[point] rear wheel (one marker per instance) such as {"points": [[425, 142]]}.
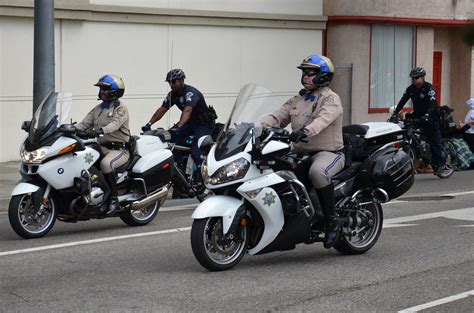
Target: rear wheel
{"points": [[29, 219], [212, 249], [360, 239], [142, 216]]}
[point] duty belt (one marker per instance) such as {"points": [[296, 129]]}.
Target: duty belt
{"points": [[114, 145]]}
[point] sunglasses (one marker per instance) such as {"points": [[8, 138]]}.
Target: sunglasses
{"points": [[173, 81], [310, 73], [415, 78]]}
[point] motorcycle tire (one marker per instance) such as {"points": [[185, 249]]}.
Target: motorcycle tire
{"points": [[24, 218], [214, 252], [451, 160], [141, 217], [363, 241]]}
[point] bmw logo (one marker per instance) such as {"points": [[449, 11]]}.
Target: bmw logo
{"points": [[60, 170]]}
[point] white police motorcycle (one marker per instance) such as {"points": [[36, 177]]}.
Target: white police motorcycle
{"points": [[260, 205], [61, 177]]}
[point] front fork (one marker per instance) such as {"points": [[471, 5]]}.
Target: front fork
{"points": [[44, 201]]}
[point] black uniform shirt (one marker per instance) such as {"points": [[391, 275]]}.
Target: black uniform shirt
{"points": [[189, 96], [424, 100]]}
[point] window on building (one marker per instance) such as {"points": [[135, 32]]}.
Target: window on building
{"points": [[392, 54]]}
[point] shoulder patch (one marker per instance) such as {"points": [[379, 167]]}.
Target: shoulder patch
{"points": [[329, 100], [121, 111], [189, 96]]}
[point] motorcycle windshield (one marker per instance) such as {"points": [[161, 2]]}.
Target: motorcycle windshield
{"points": [[253, 102], [47, 119]]}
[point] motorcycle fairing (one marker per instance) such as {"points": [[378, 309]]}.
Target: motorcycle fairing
{"points": [[218, 206], [60, 172], [23, 188], [214, 165], [268, 204]]}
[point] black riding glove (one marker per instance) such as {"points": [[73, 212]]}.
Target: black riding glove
{"points": [[174, 131], [298, 136], [146, 127], [90, 133]]}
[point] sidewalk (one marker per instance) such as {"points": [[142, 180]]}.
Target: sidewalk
{"points": [[9, 177]]}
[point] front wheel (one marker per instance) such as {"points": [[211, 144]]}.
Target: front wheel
{"points": [[142, 216], [360, 239], [212, 249], [29, 219]]}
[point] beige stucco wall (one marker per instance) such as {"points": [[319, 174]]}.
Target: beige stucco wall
{"points": [[354, 38], [219, 51], [432, 9], [461, 69], [424, 50]]}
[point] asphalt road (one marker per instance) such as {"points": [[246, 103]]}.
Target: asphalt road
{"points": [[87, 267]]}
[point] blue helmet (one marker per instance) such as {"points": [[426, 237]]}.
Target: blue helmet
{"points": [[322, 65], [112, 83]]}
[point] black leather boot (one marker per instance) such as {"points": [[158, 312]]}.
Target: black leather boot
{"points": [[113, 199], [333, 224]]}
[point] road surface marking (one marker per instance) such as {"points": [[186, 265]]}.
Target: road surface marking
{"points": [[461, 214], [454, 194], [86, 242], [438, 302]]}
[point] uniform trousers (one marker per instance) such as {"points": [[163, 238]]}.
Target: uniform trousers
{"points": [[113, 159]]}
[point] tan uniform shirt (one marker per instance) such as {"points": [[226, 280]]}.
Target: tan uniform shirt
{"points": [[322, 118], [113, 121]]}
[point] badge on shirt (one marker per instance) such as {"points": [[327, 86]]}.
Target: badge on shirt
{"points": [[110, 114], [121, 111], [189, 95]]}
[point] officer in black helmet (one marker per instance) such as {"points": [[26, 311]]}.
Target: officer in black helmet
{"points": [[197, 118], [425, 104]]}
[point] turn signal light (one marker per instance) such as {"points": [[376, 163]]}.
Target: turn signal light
{"points": [[68, 149]]}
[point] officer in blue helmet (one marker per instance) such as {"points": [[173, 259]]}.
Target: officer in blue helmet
{"points": [[315, 116], [109, 122], [197, 118]]}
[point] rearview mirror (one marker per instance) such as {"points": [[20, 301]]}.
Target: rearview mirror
{"points": [[26, 125], [205, 142]]}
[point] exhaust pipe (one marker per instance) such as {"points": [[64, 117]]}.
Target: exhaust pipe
{"points": [[383, 198], [158, 196]]}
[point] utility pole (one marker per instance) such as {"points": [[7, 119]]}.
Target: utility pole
{"points": [[43, 60]]}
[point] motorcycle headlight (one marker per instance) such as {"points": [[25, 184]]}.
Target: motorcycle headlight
{"points": [[227, 173], [35, 157]]}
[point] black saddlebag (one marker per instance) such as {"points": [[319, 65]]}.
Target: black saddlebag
{"points": [[389, 169]]}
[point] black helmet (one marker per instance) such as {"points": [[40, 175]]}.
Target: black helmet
{"points": [[114, 84], [175, 74], [417, 72]]}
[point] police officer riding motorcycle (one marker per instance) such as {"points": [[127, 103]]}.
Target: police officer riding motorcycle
{"points": [[109, 122]]}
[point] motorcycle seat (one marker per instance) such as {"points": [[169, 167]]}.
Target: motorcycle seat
{"points": [[347, 173], [355, 129]]}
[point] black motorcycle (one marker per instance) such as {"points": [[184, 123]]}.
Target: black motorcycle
{"points": [[186, 179], [418, 148]]}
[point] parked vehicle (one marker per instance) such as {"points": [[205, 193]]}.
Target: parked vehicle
{"points": [[418, 148], [61, 177], [260, 203]]}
